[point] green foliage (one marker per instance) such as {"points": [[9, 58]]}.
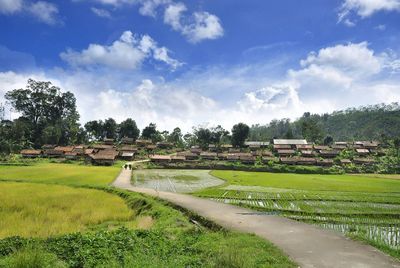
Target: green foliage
{"points": [[130, 248], [240, 132], [51, 114], [32, 258], [378, 122], [128, 128]]}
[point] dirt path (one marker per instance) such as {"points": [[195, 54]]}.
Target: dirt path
{"points": [[307, 245]]}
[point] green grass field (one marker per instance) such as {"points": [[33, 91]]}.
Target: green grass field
{"points": [[69, 174], [37, 210], [311, 182]]}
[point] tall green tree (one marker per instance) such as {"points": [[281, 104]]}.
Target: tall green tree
{"points": [[45, 106], [128, 128], [240, 132], [95, 129], [150, 132], [110, 128]]}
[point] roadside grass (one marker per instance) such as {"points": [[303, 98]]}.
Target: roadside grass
{"points": [[310, 182], [155, 248], [69, 174], [38, 210]]}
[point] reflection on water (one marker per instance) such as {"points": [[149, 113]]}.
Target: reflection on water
{"points": [[181, 181]]}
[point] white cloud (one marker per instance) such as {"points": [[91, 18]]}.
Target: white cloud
{"points": [[103, 13], [365, 8], [43, 11], [380, 27], [10, 6], [196, 27], [329, 79], [199, 27], [128, 52]]}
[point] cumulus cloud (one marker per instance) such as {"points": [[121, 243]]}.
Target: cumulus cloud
{"points": [[43, 11], [332, 78], [365, 8], [196, 26], [128, 52]]}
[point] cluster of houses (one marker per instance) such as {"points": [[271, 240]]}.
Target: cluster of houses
{"points": [[285, 151], [100, 154]]}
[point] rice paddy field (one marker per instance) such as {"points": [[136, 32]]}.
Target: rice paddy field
{"points": [[38, 210], [366, 207], [181, 181], [69, 174]]}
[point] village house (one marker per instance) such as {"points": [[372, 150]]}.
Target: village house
{"points": [[325, 162], [319, 148], [307, 153], [102, 146], [328, 153], [160, 158], [64, 149], [304, 147], [48, 146], [345, 162], [287, 160], [108, 141], [226, 147], [30, 153], [195, 150], [212, 148], [104, 157], [364, 161], [127, 141], [247, 159], [71, 155], [362, 152], [143, 143], [282, 147], [305, 161], [232, 157], [164, 145], [208, 156], [283, 153], [52, 153], [177, 158]]}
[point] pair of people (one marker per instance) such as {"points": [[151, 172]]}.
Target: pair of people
{"points": [[128, 166]]}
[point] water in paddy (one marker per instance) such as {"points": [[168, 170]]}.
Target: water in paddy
{"points": [[180, 181]]}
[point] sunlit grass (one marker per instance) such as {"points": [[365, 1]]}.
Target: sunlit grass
{"points": [[310, 182], [71, 174], [38, 210]]}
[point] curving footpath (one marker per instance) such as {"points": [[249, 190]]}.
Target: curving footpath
{"points": [[307, 245]]}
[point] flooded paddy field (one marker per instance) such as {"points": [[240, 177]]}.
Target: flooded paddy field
{"points": [[180, 181], [372, 216]]}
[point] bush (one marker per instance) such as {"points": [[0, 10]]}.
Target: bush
{"points": [[32, 258]]}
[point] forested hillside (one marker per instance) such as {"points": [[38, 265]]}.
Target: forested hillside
{"points": [[378, 122]]}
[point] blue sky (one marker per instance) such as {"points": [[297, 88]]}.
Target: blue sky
{"points": [[184, 63]]}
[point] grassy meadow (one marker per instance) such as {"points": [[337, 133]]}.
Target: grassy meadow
{"points": [[365, 207], [37, 210]]}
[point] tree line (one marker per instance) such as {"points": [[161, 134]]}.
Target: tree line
{"points": [[375, 122], [50, 116]]}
